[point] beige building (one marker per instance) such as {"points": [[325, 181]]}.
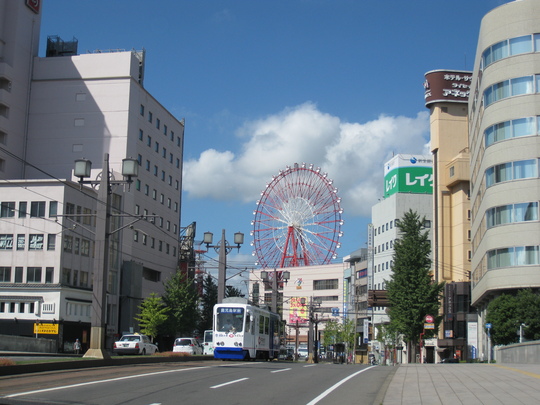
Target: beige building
{"points": [[504, 122]]}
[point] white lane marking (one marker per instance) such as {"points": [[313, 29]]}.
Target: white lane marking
{"points": [[333, 387], [310, 365], [101, 381], [279, 371], [230, 382]]}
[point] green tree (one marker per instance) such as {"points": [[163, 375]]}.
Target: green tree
{"points": [[503, 314], [153, 314], [529, 310], [507, 312], [208, 300], [182, 300], [412, 294], [231, 291]]}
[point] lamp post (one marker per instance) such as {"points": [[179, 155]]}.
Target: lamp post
{"points": [[223, 249], [100, 269], [285, 276]]}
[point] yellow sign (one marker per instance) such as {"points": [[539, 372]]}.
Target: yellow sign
{"points": [[429, 326], [46, 328]]}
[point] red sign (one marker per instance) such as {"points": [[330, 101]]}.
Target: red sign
{"points": [[34, 5], [429, 319]]}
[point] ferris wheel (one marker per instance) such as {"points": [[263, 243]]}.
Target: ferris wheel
{"points": [[297, 220]]}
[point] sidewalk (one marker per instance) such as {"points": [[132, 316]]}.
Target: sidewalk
{"points": [[466, 384]]}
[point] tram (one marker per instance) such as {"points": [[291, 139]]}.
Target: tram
{"points": [[245, 332]]}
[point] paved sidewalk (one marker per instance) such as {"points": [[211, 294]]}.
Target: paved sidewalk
{"points": [[465, 384]]}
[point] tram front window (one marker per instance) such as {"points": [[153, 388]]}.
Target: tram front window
{"points": [[230, 319]]}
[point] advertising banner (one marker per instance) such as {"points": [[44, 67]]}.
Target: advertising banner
{"points": [[297, 311], [408, 174]]}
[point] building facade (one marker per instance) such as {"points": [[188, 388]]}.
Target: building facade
{"points": [[504, 142], [408, 186], [446, 96], [64, 107]]}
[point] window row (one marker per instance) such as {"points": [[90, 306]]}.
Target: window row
{"points": [[37, 209], [383, 266], [35, 241], [512, 129], [17, 307], [159, 173], [162, 198], [510, 47], [521, 169], [32, 275], [384, 246], [157, 121], [512, 257], [512, 213], [78, 246], [381, 229], [510, 88], [161, 246], [331, 284]]}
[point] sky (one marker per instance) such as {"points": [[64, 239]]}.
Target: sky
{"points": [[263, 84]]}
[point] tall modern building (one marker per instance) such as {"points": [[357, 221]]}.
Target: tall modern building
{"points": [[446, 95], [57, 109], [408, 185], [504, 129]]}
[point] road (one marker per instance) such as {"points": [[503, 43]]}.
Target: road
{"points": [[201, 383]]}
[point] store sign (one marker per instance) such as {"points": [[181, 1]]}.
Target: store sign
{"points": [[447, 86], [408, 174], [34, 5], [46, 328]]}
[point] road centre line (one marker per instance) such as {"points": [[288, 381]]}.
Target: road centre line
{"points": [[100, 382], [336, 385], [279, 371], [230, 382]]}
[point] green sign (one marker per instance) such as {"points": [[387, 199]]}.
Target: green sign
{"points": [[410, 179]]}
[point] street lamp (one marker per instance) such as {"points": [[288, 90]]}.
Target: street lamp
{"points": [[285, 276], [103, 213], [223, 249], [313, 340]]}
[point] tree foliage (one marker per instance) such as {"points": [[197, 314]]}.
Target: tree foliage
{"points": [[153, 314], [208, 300], [337, 332], [412, 293], [182, 300], [507, 312], [231, 291]]}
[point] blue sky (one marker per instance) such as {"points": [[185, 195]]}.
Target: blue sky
{"points": [[336, 83]]}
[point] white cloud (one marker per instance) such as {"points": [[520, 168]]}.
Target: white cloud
{"points": [[353, 154]]}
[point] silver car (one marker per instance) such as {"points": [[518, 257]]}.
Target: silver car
{"points": [[187, 345]]}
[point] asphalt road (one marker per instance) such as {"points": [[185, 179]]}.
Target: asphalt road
{"points": [[205, 383]]}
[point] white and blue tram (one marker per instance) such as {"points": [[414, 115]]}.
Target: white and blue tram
{"points": [[245, 332]]}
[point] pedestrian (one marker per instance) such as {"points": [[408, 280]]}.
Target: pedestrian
{"points": [[77, 346]]}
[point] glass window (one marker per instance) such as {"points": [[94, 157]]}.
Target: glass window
{"points": [[18, 274], [503, 214], [520, 45], [21, 241], [53, 208], [7, 209], [524, 126], [525, 169], [35, 242], [526, 212], [142, 110], [536, 40], [5, 274], [141, 134], [37, 209], [502, 131], [33, 275], [6, 241], [51, 241], [503, 172], [49, 274], [501, 90], [522, 85], [23, 209], [499, 51]]}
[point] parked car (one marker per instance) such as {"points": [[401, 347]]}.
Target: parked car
{"points": [[134, 344], [302, 353], [187, 345]]}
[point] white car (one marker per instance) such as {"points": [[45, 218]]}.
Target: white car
{"points": [[187, 345], [134, 344]]}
